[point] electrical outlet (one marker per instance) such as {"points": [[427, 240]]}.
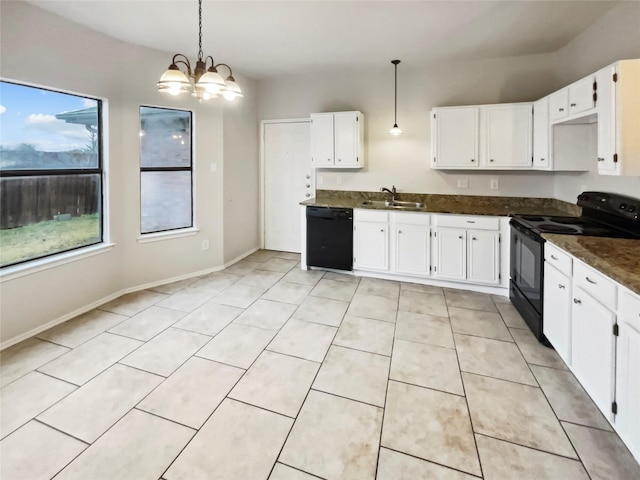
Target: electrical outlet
{"points": [[205, 244], [463, 183], [339, 180], [494, 184]]}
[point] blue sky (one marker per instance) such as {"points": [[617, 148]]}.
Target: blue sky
{"points": [[27, 115]]}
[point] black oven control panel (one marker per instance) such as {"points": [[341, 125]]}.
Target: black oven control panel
{"points": [[612, 203]]}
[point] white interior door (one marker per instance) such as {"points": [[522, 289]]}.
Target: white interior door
{"points": [[287, 180]]}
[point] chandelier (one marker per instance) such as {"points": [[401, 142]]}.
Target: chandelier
{"points": [[203, 83]]}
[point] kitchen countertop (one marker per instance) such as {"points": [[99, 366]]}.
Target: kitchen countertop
{"points": [[455, 204], [616, 258]]}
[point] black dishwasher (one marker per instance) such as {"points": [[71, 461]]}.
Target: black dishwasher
{"points": [[330, 238]]}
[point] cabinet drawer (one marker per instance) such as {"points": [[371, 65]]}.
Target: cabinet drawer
{"points": [[629, 309], [406, 218], [596, 284], [361, 215], [463, 221], [558, 258]]}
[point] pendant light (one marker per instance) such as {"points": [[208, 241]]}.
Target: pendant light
{"points": [[203, 83], [395, 131]]}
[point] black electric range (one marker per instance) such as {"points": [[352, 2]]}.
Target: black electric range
{"points": [[603, 215]]}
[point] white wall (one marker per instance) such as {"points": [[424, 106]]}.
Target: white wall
{"points": [[41, 48], [613, 37]]}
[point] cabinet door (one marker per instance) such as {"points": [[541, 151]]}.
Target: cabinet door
{"points": [[606, 120], [559, 104], [455, 138], [509, 131], [627, 420], [322, 140], [592, 348], [371, 246], [451, 253], [483, 262], [581, 96], [412, 249], [541, 150], [346, 139], [557, 311]]}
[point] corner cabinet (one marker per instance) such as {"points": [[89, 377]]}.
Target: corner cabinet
{"points": [[337, 140], [487, 137]]}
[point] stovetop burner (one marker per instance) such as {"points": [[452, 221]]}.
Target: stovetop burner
{"points": [[532, 218], [552, 228]]}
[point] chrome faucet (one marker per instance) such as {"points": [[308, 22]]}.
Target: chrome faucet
{"points": [[392, 192]]}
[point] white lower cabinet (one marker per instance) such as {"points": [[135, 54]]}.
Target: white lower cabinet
{"points": [[470, 254], [557, 311], [451, 254], [627, 420], [412, 243], [593, 348], [371, 240]]}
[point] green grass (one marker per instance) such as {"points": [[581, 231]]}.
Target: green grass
{"points": [[38, 239]]}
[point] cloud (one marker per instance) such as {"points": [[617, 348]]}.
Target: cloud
{"points": [[2, 109], [89, 102], [45, 123]]}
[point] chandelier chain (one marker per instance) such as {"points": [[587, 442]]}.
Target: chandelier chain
{"points": [[200, 30]]}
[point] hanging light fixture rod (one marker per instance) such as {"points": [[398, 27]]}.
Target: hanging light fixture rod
{"points": [[395, 130], [203, 83]]}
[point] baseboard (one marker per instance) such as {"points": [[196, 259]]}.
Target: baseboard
{"points": [[109, 298]]}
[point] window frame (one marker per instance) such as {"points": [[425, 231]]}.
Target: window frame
{"points": [[178, 231], [99, 170]]}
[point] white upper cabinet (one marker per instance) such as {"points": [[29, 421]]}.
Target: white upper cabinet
{"points": [[559, 104], [455, 137], [581, 95], [482, 137], [508, 136], [618, 108], [541, 150], [337, 140]]}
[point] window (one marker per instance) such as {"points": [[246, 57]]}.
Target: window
{"points": [[166, 180], [51, 176]]}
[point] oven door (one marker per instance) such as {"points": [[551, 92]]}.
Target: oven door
{"points": [[526, 264]]}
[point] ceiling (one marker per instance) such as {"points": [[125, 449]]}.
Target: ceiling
{"points": [[271, 38]]}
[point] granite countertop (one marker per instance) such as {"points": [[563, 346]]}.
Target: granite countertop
{"points": [[455, 204], [616, 258]]}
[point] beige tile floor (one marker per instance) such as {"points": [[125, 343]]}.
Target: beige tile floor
{"points": [[264, 371]]}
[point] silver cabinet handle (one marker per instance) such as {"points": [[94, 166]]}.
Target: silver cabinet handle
{"points": [[382, 230], [573, 104], [307, 194], [308, 185], [460, 237], [307, 177], [575, 300], [473, 160], [473, 238], [542, 159], [471, 221], [561, 109], [339, 159], [590, 281], [491, 160], [399, 231], [561, 286], [328, 159], [600, 159], [554, 257]]}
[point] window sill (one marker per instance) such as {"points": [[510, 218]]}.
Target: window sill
{"points": [[156, 237], [36, 266]]}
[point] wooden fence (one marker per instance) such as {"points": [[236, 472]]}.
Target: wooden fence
{"points": [[27, 200]]}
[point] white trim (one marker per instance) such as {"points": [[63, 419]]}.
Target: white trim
{"points": [[158, 236], [262, 172], [35, 331], [35, 266]]}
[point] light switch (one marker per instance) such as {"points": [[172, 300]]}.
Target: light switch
{"points": [[463, 183]]}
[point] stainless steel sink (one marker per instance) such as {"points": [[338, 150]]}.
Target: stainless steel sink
{"points": [[395, 204]]}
